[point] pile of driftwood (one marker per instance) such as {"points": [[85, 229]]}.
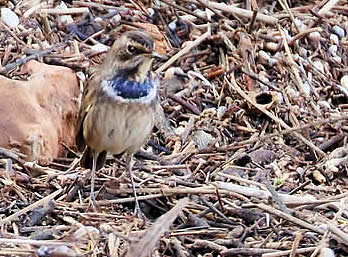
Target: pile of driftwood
{"points": [[250, 159]]}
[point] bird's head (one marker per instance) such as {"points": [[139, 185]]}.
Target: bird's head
{"points": [[131, 56]]}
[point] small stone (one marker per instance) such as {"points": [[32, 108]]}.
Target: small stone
{"points": [[221, 112], [117, 18], [151, 11], [333, 50], [9, 17], [99, 48], [334, 39], [64, 19], [319, 66], [272, 61], [263, 57], [271, 46], [314, 38], [98, 19], [324, 105], [202, 139], [172, 25], [85, 233], [300, 25], [344, 81], [306, 88], [338, 31], [337, 59]]}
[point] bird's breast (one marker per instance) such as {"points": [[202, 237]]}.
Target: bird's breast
{"points": [[118, 127]]}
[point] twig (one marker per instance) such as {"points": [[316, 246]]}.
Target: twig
{"points": [[187, 105], [290, 218], [290, 130], [184, 51], [68, 11], [238, 11], [327, 7], [233, 85], [34, 56], [30, 207], [175, 6], [287, 252], [253, 18]]}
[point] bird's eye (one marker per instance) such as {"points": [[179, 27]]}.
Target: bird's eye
{"points": [[131, 49]]}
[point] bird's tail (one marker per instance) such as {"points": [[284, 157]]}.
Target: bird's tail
{"points": [[87, 159]]}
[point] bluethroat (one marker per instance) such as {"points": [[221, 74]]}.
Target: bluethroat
{"points": [[118, 106]]}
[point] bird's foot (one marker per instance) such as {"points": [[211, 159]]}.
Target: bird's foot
{"points": [[92, 203], [139, 214]]}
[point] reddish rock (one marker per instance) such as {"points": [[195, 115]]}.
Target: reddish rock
{"points": [[38, 115]]}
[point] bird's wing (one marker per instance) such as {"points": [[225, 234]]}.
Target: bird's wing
{"points": [[89, 98]]}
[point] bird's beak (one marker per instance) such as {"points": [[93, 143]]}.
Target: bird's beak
{"points": [[159, 56]]}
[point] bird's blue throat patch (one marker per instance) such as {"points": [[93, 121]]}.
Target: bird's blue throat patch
{"points": [[129, 89]]}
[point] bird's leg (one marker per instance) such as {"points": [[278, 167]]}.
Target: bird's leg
{"points": [[130, 162], [94, 167]]}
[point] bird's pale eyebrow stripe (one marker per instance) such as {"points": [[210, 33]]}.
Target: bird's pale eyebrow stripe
{"points": [[146, 42]]}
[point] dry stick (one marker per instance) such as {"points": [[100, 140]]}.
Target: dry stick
{"points": [[263, 194], [339, 233], [292, 64], [294, 70], [285, 6], [287, 131], [294, 247], [35, 242], [253, 18], [242, 180], [327, 7], [287, 252], [302, 34], [11, 33], [166, 191], [30, 207], [290, 218], [100, 6], [175, 6], [34, 56], [68, 11], [16, 252], [276, 198], [184, 51], [233, 85], [238, 11]]}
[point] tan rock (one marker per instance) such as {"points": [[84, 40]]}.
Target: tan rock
{"points": [[38, 115]]}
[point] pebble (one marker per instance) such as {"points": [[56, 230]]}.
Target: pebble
{"points": [[264, 57], [334, 39], [314, 38], [117, 18], [324, 105], [337, 59], [326, 252], [344, 81], [272, 61], [319, 66], [64, 19], [301, 26], [338, 31], [221, 112], [9, 17], [306, 88], [99, 48], [271, 46], [333, 50]]}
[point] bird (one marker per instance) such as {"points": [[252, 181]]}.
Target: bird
{"points": [[117, 111]]}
